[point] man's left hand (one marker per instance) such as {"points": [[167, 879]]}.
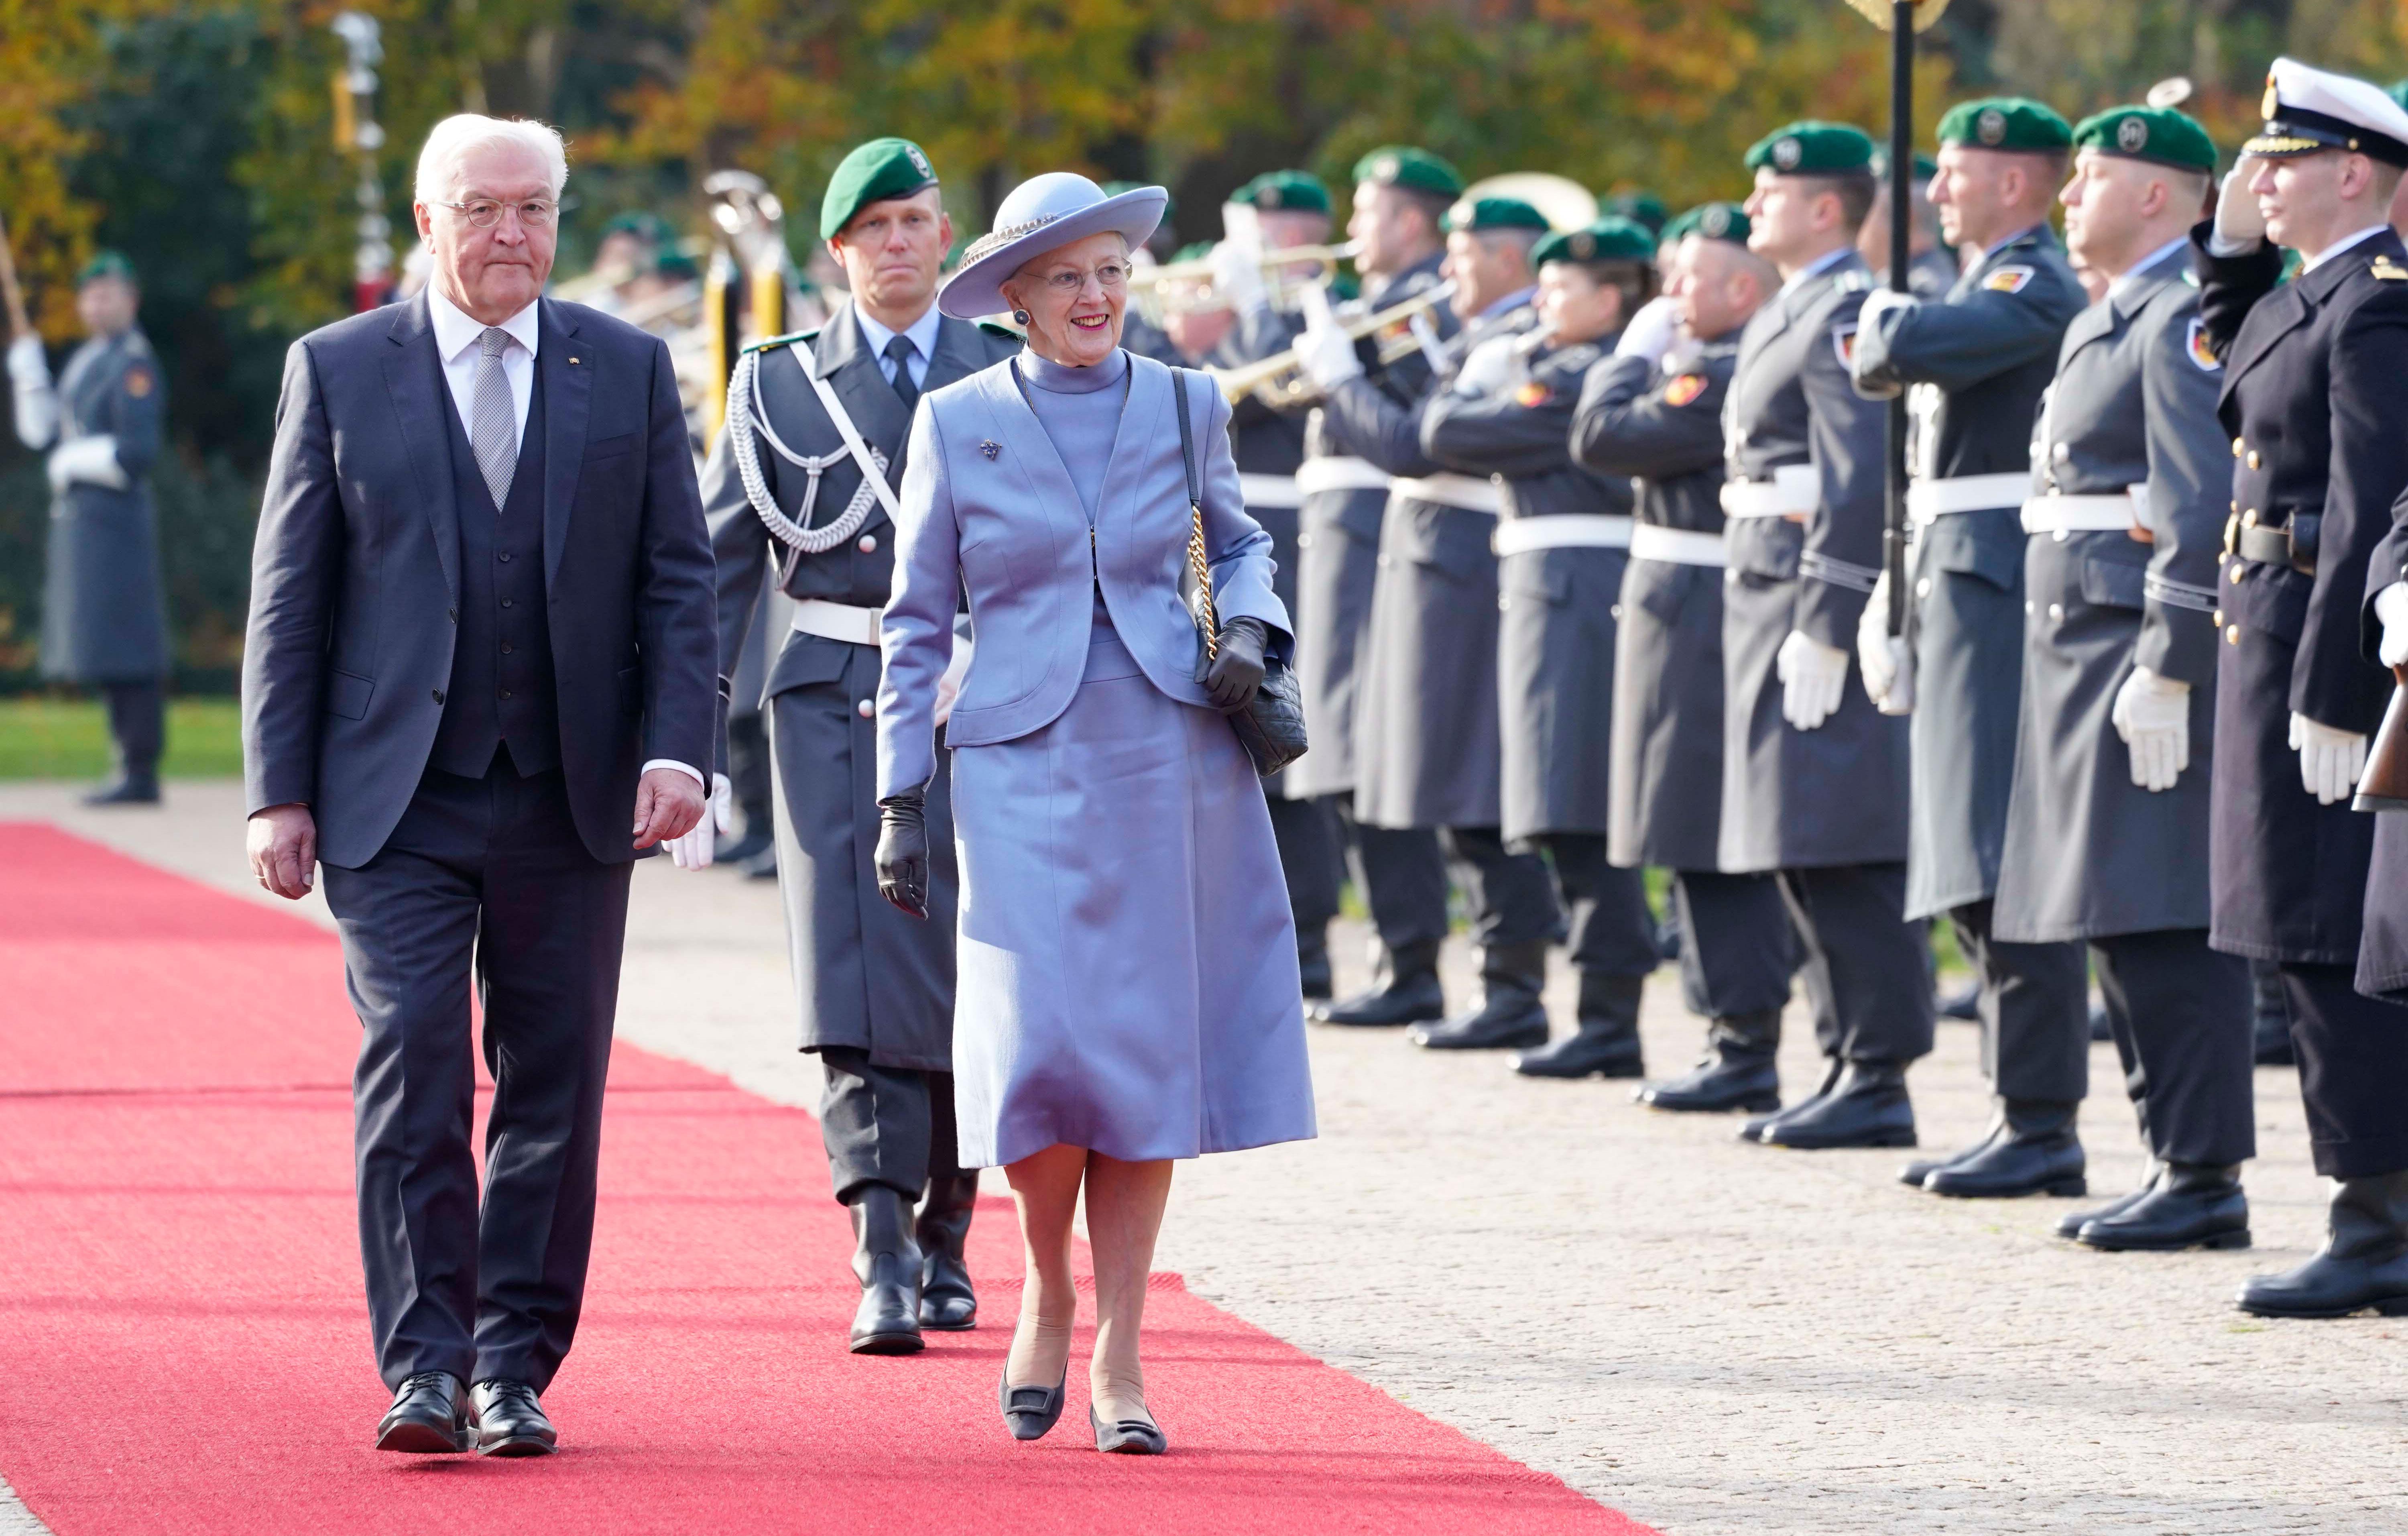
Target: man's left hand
{"points": [[668, 802]]}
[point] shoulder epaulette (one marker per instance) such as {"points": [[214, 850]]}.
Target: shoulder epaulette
{"points": [[2387, 270], [773, 343], [1855, 280], [1001, 332]]}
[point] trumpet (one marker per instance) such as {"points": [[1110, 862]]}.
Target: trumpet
{"points": [[1199, 269], [1278, 380], [1185, 287]]}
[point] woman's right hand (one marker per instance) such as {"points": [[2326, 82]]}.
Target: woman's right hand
{"points": [[902, 856]]}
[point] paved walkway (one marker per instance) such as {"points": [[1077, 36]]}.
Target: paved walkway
{"points": [[1715, 1337]]}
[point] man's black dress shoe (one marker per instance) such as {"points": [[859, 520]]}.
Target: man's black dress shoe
{"points": [[1030, 1411], [2035, 1152], [947, 1303], [2364, 1262], [430, 1416], [134, 789], [1313, 964], [1128, 1436], [1867, 1106], [510, 1422], [2071, 1223], [2188, 1207], [1410, 994], [1607, 1043], [887, 1263], [1509, 1015]]}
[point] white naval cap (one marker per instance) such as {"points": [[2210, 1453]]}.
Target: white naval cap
{"points": [[2308, 110]]}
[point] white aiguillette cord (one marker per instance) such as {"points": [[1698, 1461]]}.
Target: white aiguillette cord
{"points": [[747, 417]]}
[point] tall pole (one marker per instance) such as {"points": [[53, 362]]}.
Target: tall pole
{"points": [[1901, 173], [357, 129]]}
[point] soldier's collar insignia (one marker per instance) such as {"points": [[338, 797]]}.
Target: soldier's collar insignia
{"points": [[2388, 270], [1532, 395], [2008, 280], [990, 448], [137, 378], [2196, 344], [1685, 388]]}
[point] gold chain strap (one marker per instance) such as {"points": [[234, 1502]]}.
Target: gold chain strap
{"points": [[1203, 572]]}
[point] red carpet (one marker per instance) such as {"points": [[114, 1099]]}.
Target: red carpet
{"points": [[184, 1345]]}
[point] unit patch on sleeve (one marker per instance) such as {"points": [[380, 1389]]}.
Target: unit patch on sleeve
{"points": [[2200, 352], [1844, 341], [1686, 388], [137, 382], [2008, 280], [1533, 394]]}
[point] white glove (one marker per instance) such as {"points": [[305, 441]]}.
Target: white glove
{"points": [[2329, 760], [695, 850], [2239, 226], [1880, 302], [1888, 667], [2391, 609], [92, 460], [27, 368], [1325, 352], [2152, 714], [1238, 277], [1652, 331], [37, 407], [1813, 674]]}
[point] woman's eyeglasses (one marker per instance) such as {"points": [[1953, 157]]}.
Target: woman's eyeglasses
{"points": [[1110, 276]]}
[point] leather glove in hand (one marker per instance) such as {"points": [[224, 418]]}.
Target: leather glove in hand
{"points": [[699, 847], [2329, 760], [1652, 331], [1888, 669], [2152, 714], [2239, 226], [1325, 352], [902, 856], [1237, 671], [2391, 608], [1812, 674]]}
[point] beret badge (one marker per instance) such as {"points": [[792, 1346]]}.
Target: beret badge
{"points": [[1714, 222], [1786, 154], [1583, 245], [1991, 127], [2132, 136]]}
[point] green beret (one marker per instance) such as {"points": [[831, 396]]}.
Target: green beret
{"points": [[1925, 167], [1488, 213], [2016, 124], [1813, 149], [879, 169], [1195, 251], [1611, 238], [673, 263], [1283, 192], [1401, 165], [2157, 134], [106, 264], [1712, 222], [1639, 208], [651, 228]]}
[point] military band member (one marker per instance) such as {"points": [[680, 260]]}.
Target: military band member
{"points": [[1932, 267], [1562, 538], [1814, 778], [104, 611], [783, 490], [1427, 726], [2107, 824], [1397, 228], [2319, 428], [1655, 413]]}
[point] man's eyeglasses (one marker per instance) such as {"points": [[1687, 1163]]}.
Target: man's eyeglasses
{"points": [[485, 212]]}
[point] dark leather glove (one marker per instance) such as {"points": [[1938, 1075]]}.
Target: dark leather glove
{"points": [[1238, 670], [902, 856]]}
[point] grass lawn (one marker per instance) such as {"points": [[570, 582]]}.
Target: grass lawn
{"points": [[68, 738]]}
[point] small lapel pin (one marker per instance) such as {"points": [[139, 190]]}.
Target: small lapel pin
{"points": [[990, 448], [572, 362]]}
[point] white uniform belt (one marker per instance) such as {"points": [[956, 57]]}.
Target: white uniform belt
{"points": [[2114, 513], [1340, 474], [1930, 500], [1270, 490], [1676, 546], [1793, 488], [837, 621], [1451, 490], [1563, 531]]}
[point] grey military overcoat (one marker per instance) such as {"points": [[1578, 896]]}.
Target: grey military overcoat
{"points": [[104, 610]]}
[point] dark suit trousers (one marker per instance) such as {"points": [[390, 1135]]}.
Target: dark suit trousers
{"points": [[1306, 834], [2035, 1009], [2182, 1016], [1613, 933], [1402, 872], [1510, 895], [2353, 1056], [1868, 968], [1737, 950], [484, 878], [885, 1125]]}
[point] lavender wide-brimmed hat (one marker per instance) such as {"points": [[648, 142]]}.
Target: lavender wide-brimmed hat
{"points": [[1041, 214]]}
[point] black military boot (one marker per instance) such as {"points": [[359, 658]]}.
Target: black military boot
{"points": [[887, 1263], [2364, 1262], [1607, 1044], [135, 786], [2035, 1151], [943, 1231], [1737, 1073], [1919, 1169], [1410, 994], [1754, 1128], [2271, 1025], [1312, 962], [1866, 1107], [1512, 976], [2190, 1206], [2073, 1221]]}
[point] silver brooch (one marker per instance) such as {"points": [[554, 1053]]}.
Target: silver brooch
{"points": [[990, 448]]}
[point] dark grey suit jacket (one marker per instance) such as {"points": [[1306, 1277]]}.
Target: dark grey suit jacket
{"points": [[356, 576]]}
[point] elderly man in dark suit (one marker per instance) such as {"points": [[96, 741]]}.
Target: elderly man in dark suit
{"points": [[482, 631]]}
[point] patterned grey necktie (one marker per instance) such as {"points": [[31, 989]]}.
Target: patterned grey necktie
{"points": [[493, 430]]}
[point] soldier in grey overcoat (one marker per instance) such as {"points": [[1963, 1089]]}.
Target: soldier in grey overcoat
{"points": [[1814, 779], [1427, 726], [1562, 544], [1974, 366], [104, 610], [2107, 825], [783, 491], [1654, 412]]}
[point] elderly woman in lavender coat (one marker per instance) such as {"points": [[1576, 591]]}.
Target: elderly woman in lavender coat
{"points": [[1127, 990]]}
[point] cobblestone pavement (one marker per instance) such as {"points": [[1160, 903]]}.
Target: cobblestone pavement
{"points": [[1712, 1336]]}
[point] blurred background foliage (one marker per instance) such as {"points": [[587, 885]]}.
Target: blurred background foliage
{"points": [[196, 137]]}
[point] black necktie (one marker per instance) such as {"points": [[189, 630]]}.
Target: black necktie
{"points": [[899, 352]]}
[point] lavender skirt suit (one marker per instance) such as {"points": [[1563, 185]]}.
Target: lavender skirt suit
{"points": [[1128, 975]]}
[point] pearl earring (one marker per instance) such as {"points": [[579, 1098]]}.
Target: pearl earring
{"points": [[1020, 317]]}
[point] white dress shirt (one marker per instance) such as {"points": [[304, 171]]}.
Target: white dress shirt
{"points": [[922, 333], [2344, 243]]}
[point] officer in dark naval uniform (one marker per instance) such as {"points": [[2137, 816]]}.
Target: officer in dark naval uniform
{"points": [[1427, 726], [1399, 231], [1974, 366], [783, 487], [103, 612], [1562, 542], [2107, 824], [1814, 779], [1655, 413], [2319, 425]]}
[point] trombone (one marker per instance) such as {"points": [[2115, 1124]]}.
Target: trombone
{"points": [[1278, 382]]}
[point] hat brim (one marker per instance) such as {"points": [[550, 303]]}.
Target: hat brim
{"points": [[976, 288]]}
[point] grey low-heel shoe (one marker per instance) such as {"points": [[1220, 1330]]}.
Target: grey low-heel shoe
{"points": [[1030, 1411], [1130, 1437]]}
